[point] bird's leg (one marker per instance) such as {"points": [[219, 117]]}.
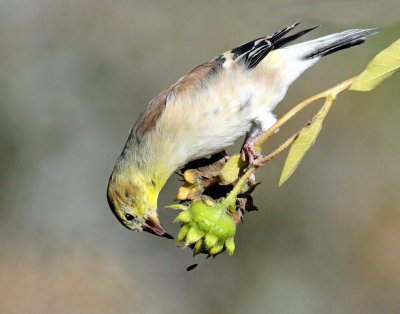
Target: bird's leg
{"points": [[249, 153], [260, 125]]}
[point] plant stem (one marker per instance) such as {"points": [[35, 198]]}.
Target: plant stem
{"points": [[280, 149], [231, 198], [327, 94], [290, 114]]}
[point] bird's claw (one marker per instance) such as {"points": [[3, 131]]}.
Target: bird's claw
{"points": [[250, 155]]}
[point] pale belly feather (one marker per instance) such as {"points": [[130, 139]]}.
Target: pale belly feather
{"points": [[217, 115]]}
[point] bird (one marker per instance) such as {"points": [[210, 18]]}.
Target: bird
{"points": [[207, 110]]}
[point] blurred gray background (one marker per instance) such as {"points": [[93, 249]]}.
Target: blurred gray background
{"points": [[74, 77]]}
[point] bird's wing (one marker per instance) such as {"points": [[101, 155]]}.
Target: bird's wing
{"points": [[251, 53], [248, 55], [190, 82]]}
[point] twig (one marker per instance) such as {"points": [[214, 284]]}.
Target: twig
{"points": [[290, 114], [329, 93], [280, 149]]}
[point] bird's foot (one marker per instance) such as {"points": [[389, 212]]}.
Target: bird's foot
{"points": [[249, 154]]}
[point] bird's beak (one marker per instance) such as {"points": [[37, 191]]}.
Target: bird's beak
{"points": [[152, 225]]}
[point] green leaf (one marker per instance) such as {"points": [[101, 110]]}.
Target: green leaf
{"points": [[230, 245], [383, 66], [305, 140], [216, 249], [198, 247], [231, 170], [182, 233], [184, 216], [179, 207], [211, 240], [194, 235]]}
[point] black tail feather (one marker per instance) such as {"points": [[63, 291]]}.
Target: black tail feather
{"points": [[254, 51], [344, 40]]}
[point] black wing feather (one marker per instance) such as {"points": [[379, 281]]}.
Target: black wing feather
{"points": [[254, 51]]}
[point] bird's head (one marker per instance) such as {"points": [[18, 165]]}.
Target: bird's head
{"points": [[133, 200]]}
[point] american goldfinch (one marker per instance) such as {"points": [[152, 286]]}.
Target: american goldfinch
{"points": [[207, 110]]}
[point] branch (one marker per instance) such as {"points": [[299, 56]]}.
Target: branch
{"points": [[290, 114], [331, 92]]}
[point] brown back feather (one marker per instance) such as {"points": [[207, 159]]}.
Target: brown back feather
{"points": [[191, 81]]}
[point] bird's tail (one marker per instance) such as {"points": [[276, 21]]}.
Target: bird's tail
{"points": [[288, 63], [328, 44]]}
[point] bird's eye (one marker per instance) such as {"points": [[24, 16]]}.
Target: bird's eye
{"points": [[129, 217]]}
